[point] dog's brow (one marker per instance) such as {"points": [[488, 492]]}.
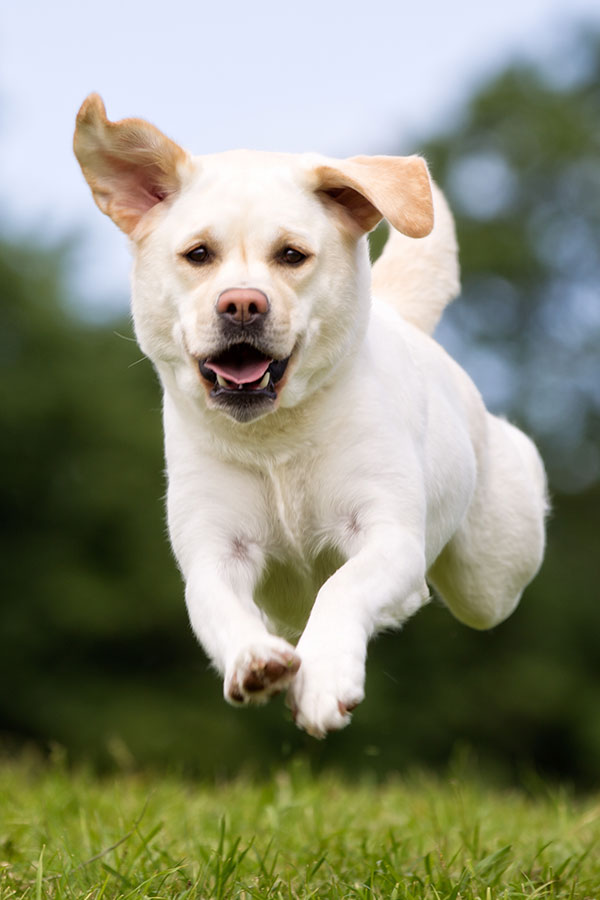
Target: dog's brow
{"points": [[202, 236], [296, 236]]}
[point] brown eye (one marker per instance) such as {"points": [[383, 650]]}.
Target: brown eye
{"points": [[292, 257], [199, 255]]}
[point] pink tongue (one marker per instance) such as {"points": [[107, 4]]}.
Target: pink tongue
{"points": [[242, 371]]}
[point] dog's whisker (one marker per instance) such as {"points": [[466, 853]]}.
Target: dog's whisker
{"points": [[138, 361], [125, 337]]}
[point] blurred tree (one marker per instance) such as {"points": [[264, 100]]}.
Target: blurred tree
{"points": [[96, 651], [521, 170]]}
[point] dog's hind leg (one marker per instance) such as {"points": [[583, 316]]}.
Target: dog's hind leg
{"points": [[483, 570]]}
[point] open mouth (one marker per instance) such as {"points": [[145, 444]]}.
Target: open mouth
{"points": [[243, 376]]}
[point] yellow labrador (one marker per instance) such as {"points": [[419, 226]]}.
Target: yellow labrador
{"points": [[326, 458]]}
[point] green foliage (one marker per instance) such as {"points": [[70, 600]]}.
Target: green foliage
{"points": [[68, 834], [521, 171], [97, 653]]}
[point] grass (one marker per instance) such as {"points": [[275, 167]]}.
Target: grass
{"points": [[73, 834]]}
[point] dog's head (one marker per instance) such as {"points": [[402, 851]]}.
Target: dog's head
{"points": [[251, 275]]}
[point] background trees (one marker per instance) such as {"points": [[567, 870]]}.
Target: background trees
{"points": [[97, 653]]}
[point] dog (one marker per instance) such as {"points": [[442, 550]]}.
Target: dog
{"points": [[326, 459]]}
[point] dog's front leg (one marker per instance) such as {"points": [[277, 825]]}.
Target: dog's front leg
{"points": [[380, 586], [255, 663], [217, 531]]}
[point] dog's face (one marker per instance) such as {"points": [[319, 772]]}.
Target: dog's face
{"points": [[245, 286], [251, 276]]}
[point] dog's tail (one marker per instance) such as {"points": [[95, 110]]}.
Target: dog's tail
{"points": [[420, 276]]}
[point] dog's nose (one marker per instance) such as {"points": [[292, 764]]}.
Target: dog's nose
{"points": [[242, 305]]}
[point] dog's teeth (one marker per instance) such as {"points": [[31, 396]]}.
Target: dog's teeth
{"points": [[222, 381], [264, 380]]}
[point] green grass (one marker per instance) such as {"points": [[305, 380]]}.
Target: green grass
{"points": [[72, 834]]}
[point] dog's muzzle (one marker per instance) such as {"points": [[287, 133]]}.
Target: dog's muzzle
{"points": [[245, 376]]}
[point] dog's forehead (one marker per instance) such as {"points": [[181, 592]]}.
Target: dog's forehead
{"points": [[247, 185], [254, 169]]}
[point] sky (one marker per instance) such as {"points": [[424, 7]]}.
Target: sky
{"points": [[335, 76]]}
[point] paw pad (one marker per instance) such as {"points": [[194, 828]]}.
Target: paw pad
{"points": [[258, 678]]}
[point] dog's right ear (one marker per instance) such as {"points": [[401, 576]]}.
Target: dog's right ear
{"points": [[129, 165]]}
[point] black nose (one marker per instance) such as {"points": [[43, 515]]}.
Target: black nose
{"points": [[242, 306]]}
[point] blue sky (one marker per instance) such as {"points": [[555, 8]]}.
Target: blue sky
{"points": [[337, 77]]}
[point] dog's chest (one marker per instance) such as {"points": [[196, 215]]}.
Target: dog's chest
{"points": [[299, 554], [293, 512], [287, 589]]}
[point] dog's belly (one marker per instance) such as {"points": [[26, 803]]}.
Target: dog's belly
{"points": [[288, 588]]}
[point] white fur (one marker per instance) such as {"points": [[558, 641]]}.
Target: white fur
{"points": [[379, 469], [408, 269]]}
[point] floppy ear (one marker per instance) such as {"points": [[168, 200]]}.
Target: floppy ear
{"points": [[368, 188], [129, 165]]}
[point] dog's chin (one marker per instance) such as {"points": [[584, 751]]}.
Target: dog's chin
{"points": [[243, 381], [241, 407]]}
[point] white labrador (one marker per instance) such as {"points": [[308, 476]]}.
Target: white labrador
{"points": [[325, 457]]}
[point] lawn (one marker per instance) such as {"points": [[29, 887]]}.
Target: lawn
{"points": [[69, 833]]}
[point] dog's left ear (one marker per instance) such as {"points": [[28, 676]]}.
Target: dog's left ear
{"points": [[130, 165], [367, 188]]}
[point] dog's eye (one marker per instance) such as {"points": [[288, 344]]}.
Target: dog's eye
{"points": [[199, 255], [292, 257]]}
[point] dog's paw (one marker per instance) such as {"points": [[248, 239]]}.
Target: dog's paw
{"points": [[260, 671], [325, 692]]}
